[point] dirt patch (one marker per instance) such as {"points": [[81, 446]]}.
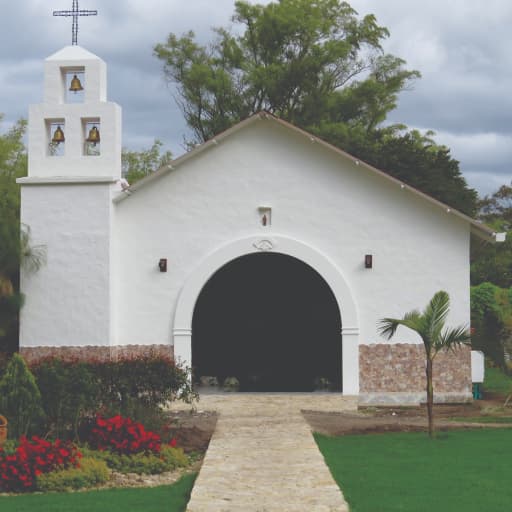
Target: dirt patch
{"points": [[375, 420], [192, 430]]}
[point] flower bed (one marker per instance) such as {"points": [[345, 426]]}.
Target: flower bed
{"points": [[115, 443], [19, 470], [124, 436]]}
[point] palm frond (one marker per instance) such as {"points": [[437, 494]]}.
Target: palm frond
{"points": [[452, 338], [387, 326], [413, 320], [32, 257], [436, 312]]}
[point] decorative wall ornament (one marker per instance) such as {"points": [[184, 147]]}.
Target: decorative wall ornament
{"points": [[263, 245], [265, 214]]}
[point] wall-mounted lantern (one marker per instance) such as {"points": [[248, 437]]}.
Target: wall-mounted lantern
{"points": [[162, 264], [368, 261]]}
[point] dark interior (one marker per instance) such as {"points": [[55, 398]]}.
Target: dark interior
{"points": [[271, 321]]}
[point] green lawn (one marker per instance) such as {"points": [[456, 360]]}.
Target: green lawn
{"points": [[484, 419], [463, 471], [168, 498]]}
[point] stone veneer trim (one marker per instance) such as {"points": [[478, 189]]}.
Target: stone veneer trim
{"points": [[387, 368], [88, 352]]}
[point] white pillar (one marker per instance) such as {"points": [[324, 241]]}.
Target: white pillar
{"points": [[350, 357], [183, 346]]}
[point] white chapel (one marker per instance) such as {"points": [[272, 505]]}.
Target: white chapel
{"points": [[264, 254]]}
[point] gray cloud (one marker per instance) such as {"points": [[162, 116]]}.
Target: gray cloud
{"points": [[461, 48]]}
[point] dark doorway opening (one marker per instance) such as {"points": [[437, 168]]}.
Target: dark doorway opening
{"points": [[271, 321]]}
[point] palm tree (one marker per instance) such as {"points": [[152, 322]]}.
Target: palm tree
{"points": [[429, 325], [23, 254]]}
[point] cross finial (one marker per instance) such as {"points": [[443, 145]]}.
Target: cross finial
{"points": [[75, 13]]}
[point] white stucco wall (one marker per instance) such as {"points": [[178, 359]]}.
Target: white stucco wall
{"points": [[68, 299], [317, 197]]}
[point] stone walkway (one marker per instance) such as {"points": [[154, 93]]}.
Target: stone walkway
{"points": [[262, 456]]}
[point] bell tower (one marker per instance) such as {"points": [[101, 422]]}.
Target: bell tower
{"points": [[74, 168], [75, 132]]}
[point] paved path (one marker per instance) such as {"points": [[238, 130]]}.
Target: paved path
{"points": [[262, 456]]}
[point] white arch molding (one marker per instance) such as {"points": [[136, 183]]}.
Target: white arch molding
{"points": [[182, 330]]}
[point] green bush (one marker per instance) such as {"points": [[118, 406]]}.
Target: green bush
{"points": [[9, 447], [491, 319], [149, 380], [137, 388], [69, 392], [174, 457], [91, 472], [168, 459], [20, 399], [4, 359]]}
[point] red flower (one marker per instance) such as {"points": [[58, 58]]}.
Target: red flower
{"points": [[32, 458], [123, 435]]}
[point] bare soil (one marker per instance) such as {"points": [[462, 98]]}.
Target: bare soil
{"points": [[193, 429], [375, 420]]}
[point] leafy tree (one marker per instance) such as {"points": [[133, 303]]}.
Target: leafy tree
{"points": [[491, 319], [493, 262], [20, 399], [297, 59], [319, 66], [13, 164], [139, 164], [498, 206], [430, 327], [15, 247]]}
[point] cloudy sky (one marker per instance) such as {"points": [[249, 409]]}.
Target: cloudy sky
{"points": [[463, 48]]}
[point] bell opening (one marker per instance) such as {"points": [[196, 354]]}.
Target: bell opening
{"points": [[74, 84], [56, 137], [92, 137]]}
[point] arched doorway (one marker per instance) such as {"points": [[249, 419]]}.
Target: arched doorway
{"points": [[270, 320]]}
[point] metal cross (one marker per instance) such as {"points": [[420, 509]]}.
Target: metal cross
{"points": [[75, 12]]}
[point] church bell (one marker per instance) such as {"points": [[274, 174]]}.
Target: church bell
{"points": [[76, 84], [94, 136], [58, 136]]}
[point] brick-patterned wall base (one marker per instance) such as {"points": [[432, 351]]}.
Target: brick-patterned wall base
{"points": [[400, 368], [34, 354]]}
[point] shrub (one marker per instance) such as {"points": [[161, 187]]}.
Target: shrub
{"points": [[148, 380], [69, 392], [140, 463], [20, 399], [91, 472], [135, 388], [168, 459], [174, 457], [4, 359], [18, 470], [123, 436]]}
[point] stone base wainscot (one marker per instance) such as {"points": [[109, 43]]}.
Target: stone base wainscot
{"points": [[96, 353], [394, 374]]}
